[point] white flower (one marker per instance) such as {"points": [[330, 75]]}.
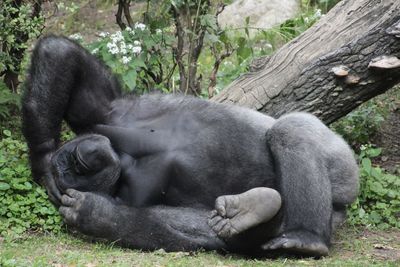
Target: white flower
{"points": [[158, 31], [137, 43], [129, 46], [111, 45], [128, 29], [117, 37], [317, 13], [112, 48], [94, 51], [140, 26], [114, 51], [104, 34], [136, 49], [76, 36], [125, 60], [306, 20]]}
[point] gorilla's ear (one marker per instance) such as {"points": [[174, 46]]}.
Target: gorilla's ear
{"points": [[133, 141]]}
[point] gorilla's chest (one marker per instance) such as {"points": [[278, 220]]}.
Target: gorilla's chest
{"points": [[201, 154]]}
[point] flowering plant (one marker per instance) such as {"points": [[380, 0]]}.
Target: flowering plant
{"points": [[138, 56]]}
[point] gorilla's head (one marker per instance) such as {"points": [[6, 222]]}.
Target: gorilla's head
{"points": [[87, 163]]}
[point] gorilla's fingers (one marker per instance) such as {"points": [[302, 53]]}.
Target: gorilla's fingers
{"points": [[52, 190], [68, 201], [228, 230], [220, 206], [74, 193], [214, 220], [212, 214], [219, 225], [70, 217]]}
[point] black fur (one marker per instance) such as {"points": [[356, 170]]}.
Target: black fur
{"points": [[173, 156]]}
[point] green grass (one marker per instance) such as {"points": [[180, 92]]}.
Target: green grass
{"points": [[351, 248]]}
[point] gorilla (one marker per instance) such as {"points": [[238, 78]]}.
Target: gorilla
{"points": [[177, 172]]}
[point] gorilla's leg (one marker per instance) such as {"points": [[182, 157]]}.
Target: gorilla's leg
{"points": [[234, 214], [299, 145], [170, 228], [64, 81]]}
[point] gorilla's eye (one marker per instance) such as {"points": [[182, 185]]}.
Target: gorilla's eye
{"points": [[80, 166]]}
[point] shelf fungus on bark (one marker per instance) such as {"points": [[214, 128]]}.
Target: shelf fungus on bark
{"points": [[385, 62], [340, 71], [394, 29], [352, 79]]}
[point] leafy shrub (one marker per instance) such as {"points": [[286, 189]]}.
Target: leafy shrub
{"points": [[24, 205], [8, 101], [138, 56], [359, 126], [378, 204], [18, 24]]}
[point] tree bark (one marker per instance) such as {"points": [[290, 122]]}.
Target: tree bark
{"points": [[331, 68]]}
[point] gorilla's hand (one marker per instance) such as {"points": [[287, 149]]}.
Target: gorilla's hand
{"points": [[52, 190], [43, 174], [88, 212]]}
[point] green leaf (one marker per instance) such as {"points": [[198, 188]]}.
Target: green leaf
{"points": [[366, 164], [130, 79], [4, 186], [361, 213], [374, 152], [7, 133]]}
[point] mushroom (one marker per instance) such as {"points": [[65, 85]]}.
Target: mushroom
{"points": [[340, 71], [352, 79], [385, 62]]}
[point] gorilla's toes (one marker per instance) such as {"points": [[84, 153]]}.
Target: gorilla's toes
{"points": [[294, 244], [221, 226], [234, 214]]}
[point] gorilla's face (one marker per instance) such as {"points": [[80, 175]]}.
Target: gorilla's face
{"points": [[87, 163]]}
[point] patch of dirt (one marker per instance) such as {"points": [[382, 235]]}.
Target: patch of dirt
{"points": [[90, 18], [386, 245], [377, 245]]}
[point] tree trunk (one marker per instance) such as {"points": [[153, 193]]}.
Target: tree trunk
{"points": [[349, 56]]}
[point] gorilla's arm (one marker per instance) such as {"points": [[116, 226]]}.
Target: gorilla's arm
{"points": [[170, 228], [134, 141], [64, 82]]}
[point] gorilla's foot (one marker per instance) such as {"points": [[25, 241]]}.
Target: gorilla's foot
{"points": [[234, 214], [302, 243]]}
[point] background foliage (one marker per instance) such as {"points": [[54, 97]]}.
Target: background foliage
{"points": [[24, 205]]}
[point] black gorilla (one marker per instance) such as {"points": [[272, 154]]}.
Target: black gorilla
{"points": [[180, 173]]}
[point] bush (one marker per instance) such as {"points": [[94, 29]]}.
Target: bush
{"points": [[8, 101], [359, 126], [134, 55], [378, 204], [24, 205]]}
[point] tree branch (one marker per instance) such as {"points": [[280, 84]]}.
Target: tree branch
{"points": [[301, 76]]}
